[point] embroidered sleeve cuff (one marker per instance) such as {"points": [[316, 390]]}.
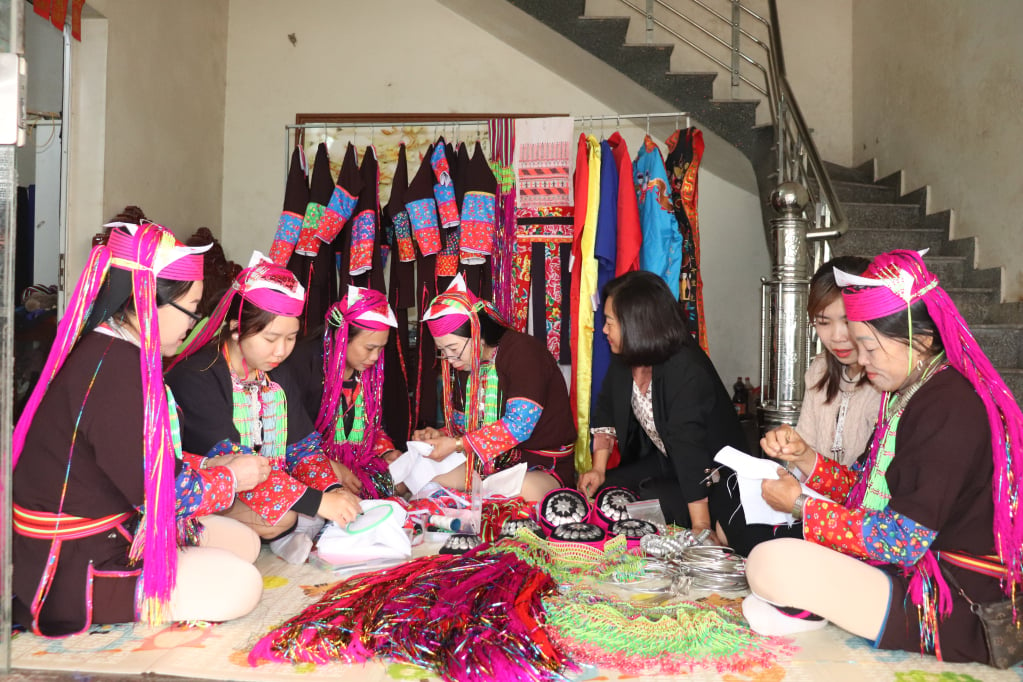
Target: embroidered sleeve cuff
{"points": [[831, 479], [316, 472], [203, 492], [835, 527], [890, 537]]}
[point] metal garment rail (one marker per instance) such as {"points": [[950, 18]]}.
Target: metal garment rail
{"points": [[455, 124]]}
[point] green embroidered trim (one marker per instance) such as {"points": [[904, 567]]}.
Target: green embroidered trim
{"points": [[877, 494], [358, 422]]}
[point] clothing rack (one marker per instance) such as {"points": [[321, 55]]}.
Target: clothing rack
{"points": [[474, 123]]}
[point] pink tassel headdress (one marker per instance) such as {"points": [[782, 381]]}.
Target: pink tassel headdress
{"points": [[366, 309], [264, 284], [149, 251], [894, 281]]}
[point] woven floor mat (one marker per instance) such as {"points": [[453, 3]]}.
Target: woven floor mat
{"points": [[219, 651]]}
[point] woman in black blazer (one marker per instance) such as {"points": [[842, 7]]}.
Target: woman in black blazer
{"points": [[664, 403]]}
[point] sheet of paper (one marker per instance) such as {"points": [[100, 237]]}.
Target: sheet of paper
{"points": [[416, 470], [749, 473]]}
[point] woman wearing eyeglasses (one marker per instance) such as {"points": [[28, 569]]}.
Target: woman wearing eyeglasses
{"points": [[101, 502], [505, 399], [232, 405]]}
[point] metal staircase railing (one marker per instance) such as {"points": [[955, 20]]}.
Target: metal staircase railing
{"points": [[752, 55], [808, 211]]}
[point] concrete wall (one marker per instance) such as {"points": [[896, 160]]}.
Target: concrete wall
{"points": [[164, 110], [939, 88], [345, 62]]}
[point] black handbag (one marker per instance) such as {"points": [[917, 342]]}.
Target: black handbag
{"points": [[1004, 638]]}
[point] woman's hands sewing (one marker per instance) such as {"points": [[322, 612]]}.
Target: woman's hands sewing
{"points": [[786, 444], [339, 506], [781, 493]]}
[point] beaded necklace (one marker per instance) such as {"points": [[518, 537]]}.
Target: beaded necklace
{"points": [[259, 412], [871, 491], [488, 391], [358, 421]]}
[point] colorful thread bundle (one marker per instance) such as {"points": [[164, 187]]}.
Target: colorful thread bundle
{"points": [[469, 618]]}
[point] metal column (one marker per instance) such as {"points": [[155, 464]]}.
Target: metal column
{"points": [[784, 351]]}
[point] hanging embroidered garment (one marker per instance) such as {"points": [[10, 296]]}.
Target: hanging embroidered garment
{"points": [[630, 235], [543, 247], [315, 267], [502, 144], [661, 251], [422, 208], [685, 150], [296, 196], [476, 239], [308, 244], [543, 155], [444, 189], [365, 222], [605, 253], [401, 297], [587, 264], [342, 199]]}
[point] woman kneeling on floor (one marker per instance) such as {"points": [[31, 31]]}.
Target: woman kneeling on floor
{"points": [[933, 498]]}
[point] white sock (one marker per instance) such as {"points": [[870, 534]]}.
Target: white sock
{"points": [[293, 547], [765, 619]]}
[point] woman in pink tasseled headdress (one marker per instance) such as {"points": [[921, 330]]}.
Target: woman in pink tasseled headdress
{"points": [[105, 509], [928, 519]]}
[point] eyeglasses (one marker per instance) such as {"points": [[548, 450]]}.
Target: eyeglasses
{"points": [[195, 317], [445, 354]]}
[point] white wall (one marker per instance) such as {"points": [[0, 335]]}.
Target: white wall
{"points": [[165, 84], [355, 62], [39, 160], [939, 90]]}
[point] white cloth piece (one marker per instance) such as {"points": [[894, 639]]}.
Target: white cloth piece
{"points": [[765, 619], [293, 547], [378, 533], [750, 472], [504, 483], [415, 469], [309, 525]]}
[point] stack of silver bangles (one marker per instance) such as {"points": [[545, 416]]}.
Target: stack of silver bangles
{"points": [[694, 566]]}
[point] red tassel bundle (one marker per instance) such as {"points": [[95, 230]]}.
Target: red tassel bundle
{"points": [[469, 618]]}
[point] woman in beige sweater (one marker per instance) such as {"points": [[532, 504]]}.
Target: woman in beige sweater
{"points": [[840, 406]]}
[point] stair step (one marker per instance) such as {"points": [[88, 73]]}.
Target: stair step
{"points": [[863, 173], [860, 192], [1007, 313], [1013, 378], [871, 242], [973, 304], [948, 269], [883, 216], [645, 64], [1002, 343]]}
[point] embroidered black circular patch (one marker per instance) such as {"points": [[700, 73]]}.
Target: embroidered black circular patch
{"points": [[632, 528], [578, 532], [460, 543], [611, 503], [563, 506], [510, 527]]}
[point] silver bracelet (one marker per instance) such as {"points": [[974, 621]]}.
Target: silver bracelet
{"points": [[797, 506]]}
